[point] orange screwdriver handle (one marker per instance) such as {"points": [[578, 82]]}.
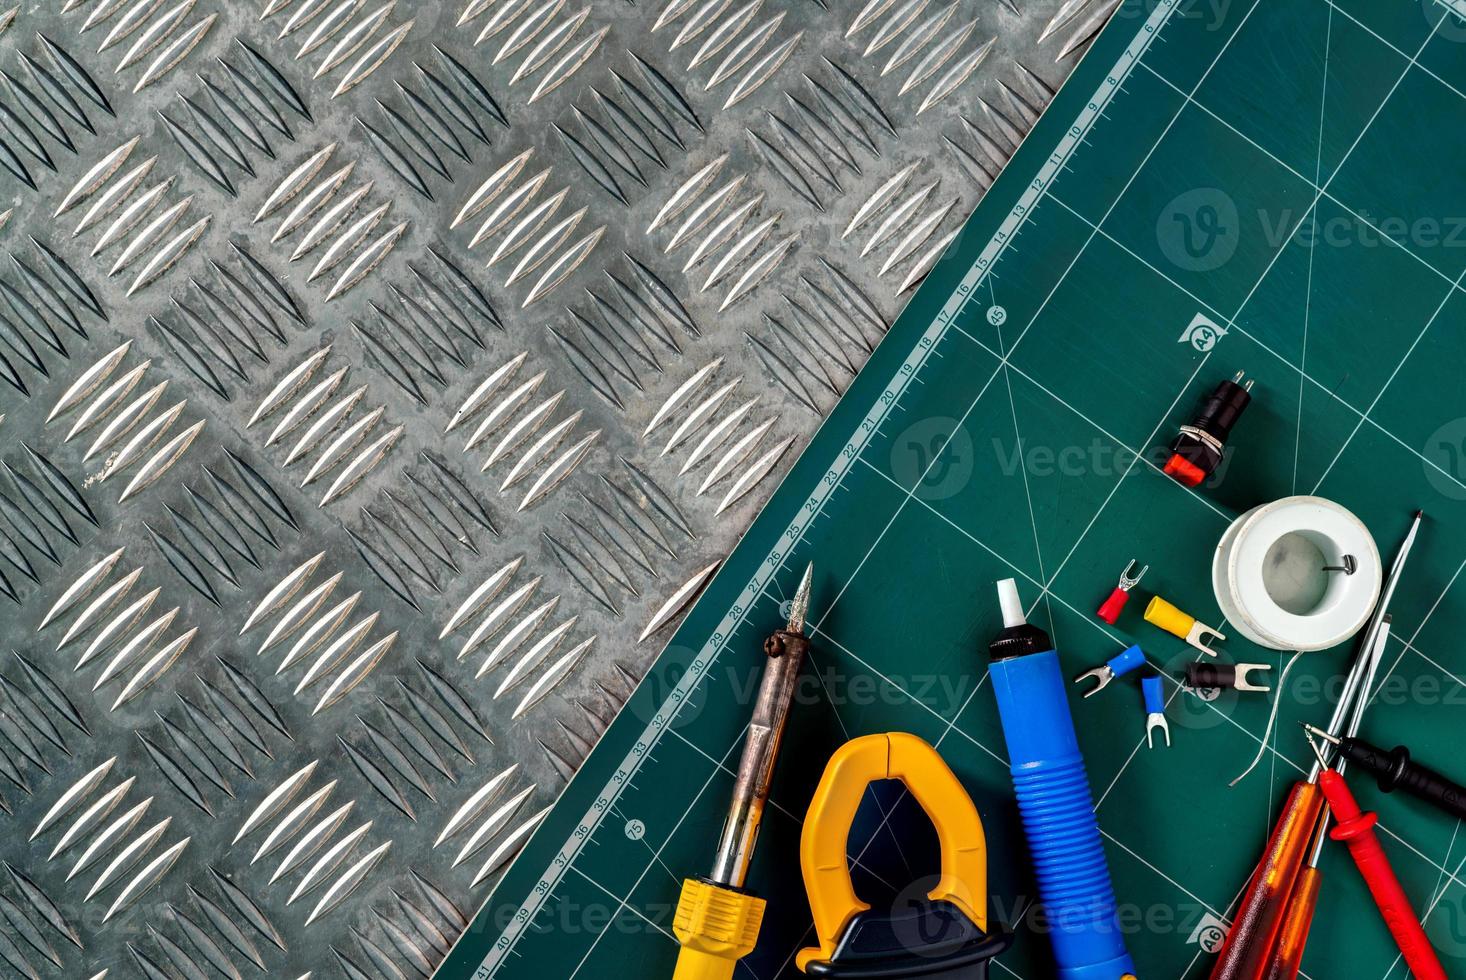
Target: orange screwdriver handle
{"points": [[1356, 829], [1288, 956], [1250, 944]]}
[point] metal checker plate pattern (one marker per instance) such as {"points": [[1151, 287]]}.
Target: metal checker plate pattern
{"points": [[379, 383], [1083, 309]]}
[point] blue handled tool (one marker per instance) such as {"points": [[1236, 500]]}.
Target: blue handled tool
{"points": [[1054, 800]]}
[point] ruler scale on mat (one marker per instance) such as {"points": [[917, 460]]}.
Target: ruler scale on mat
{"points": [[675, 737]]}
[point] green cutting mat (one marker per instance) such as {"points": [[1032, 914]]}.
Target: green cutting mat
{"points": [[1294, 173]]}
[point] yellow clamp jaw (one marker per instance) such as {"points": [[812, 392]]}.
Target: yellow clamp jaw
{"points": [[823, 846], [717, 926]]}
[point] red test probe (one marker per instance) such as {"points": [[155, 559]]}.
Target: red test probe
{"points": [[1355, 828]]}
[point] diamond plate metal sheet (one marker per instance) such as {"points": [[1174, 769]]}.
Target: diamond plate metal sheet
{"points": [[380, 381]]}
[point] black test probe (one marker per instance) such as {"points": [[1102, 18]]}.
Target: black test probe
{"points": [[1394, 770], [1198, 448]]}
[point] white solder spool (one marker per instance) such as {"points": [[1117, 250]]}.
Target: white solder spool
{"points": [[1270, 581]]}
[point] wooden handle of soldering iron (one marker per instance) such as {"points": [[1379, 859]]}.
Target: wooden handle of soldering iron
{"points": [[1250, 945], [1356, 829]]}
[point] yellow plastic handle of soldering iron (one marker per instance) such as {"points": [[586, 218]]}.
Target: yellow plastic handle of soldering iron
{"points": [[1169, 618], [717, 927], [822, 847]]}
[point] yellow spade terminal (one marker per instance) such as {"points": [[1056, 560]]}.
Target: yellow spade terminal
{"points": [[1161, 613], [839, 914]]}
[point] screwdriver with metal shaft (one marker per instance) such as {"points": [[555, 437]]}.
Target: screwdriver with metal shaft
{"points": [[1260, 923], [1287, 955], [1356, 829], [1271, 928], [717, 919], [1394, 769]]}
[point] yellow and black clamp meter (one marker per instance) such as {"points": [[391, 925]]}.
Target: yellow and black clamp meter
{"points": [[944, 936]]}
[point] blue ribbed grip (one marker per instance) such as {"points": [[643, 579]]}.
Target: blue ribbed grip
{"points": [[1057, 808]]}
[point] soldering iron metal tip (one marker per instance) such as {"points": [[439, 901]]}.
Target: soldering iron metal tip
{"points": [[799, 608]]}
